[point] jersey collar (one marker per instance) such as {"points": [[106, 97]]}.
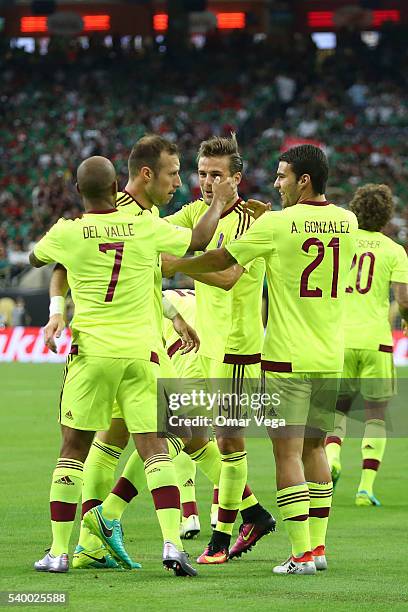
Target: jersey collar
{"points": [[136, 202], [101, 212], [229, 210], [313, 203]]}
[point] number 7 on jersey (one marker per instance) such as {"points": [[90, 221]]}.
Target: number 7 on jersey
{"points": [[118, 248]]}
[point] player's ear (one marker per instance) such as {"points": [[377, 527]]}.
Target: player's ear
{"points": [[237, 177], [304, 180], [147, 173], [77, 188], [115, 188]]}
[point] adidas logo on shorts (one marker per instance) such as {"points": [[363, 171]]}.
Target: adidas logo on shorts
{"points": [[68, 415], [189, 483], [65, 480]]}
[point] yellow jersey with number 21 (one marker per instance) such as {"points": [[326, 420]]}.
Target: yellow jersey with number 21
{"points": [[307, 249]]}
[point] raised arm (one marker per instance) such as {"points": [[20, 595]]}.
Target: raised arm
{"points": [[211, 261], [223, 280], [205, 228]]}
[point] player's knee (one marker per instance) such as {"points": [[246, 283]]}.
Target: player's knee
{"points": [[117, 435], [230, 445], [195, 444], [148, 445], [76, 443]]}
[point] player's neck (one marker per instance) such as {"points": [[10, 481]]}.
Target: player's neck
{"points": [[99, 206], [309, 196], [139, 195], [230, 204]]}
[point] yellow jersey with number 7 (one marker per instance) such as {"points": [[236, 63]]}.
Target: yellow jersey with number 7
{"points": [[110, 260]]}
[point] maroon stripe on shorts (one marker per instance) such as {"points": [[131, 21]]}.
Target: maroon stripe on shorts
{"points": [[62, 512], [333, 440], [227, 516], [247, 492], [276, 366], [89, 504], [319, 512], [189, 508], [174, 347], [154, 358], [166, 497], [299, 517], [215, 496], [384, 348], [242, 359], [124, 489], [371, 464]]}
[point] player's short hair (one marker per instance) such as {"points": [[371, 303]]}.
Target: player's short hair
{"points": [[220, 146], [308, 159], [373, 206], [147, 151]]}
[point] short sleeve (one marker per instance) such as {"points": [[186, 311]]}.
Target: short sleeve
{"points": [[51, 247], [171, 238], [399, 273], [182, 218], [256, 242]]}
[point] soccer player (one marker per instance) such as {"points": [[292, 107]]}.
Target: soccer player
{"points": [[307, 248], [229, 323], [153, 177], [110, 258], [378, 264]]}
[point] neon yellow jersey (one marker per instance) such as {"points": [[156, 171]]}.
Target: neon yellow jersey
{"points": [[307, 249], [377, 262], [110, 260], [128, 204], [229, 323]]}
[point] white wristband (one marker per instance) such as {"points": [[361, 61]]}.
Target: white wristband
{"points": [[57, 305], [169, 310]]}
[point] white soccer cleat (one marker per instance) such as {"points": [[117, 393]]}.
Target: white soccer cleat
{"points": [[190, 527], [177, 560], [319, 557], [297, 565], [49, 563]]}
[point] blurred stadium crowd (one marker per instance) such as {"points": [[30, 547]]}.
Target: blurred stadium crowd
{"points": [[58, 108]]}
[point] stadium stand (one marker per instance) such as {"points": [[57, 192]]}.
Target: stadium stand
{"points": [[70, 103]]}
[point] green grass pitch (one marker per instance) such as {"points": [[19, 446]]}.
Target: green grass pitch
{"points": [[366, 546]]}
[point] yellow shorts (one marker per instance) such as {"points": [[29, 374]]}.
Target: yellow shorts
{"points": [[235, 382], [165, 370], [370, 372], [303, 399], [91, 384]]}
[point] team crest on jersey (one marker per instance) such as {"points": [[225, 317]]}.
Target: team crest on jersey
{"points": [[220, 239]]}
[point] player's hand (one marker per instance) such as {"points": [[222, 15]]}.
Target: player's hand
{"points": [[168, 267], [404, 327], [256, 208], [225, 191], [52, 330], [188, 335]]}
